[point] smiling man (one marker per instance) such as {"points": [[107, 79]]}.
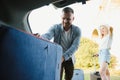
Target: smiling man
{"points": [[68, 36]]}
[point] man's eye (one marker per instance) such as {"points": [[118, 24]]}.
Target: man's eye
{"points": [[68, 19]]}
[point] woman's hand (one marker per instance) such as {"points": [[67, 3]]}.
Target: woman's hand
{"points": [[95, 55]]}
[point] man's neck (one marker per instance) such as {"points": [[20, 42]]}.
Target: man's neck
{"points": [[67, 28]]}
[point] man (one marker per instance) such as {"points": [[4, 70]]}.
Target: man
{"points": [[68, 36]]}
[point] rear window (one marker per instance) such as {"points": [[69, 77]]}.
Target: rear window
{"points": [[43, 18], [87, 16]]}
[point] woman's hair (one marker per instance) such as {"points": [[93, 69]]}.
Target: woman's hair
{"points": [[109, 28], [110, 31], [95, 33]]}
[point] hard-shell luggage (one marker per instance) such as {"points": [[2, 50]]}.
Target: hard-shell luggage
{"points": [[78, 74], [26, 57], [95, 75]]}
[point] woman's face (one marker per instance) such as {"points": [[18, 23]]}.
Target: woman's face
{"points": [[103, 30]]}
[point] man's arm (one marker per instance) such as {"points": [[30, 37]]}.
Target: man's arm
{"points": [[50, 34]]}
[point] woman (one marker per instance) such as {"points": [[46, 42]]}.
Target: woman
{"points": [[104, 42]]}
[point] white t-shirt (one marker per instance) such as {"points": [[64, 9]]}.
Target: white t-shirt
{"points": [[105, 42]]}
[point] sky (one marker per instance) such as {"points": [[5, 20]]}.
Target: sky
{"points": [[87, 16]]}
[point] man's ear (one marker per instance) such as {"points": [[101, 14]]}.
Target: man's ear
{"points": [[73, 18]]}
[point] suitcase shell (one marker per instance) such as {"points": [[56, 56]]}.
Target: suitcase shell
{"points": [[78, 74], [26, 57], [95, 76]]}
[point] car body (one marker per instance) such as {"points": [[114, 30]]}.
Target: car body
{"points": [[23, 55], [15, 12]]}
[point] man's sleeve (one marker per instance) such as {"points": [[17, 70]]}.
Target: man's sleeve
{"points": [[50, 34]]}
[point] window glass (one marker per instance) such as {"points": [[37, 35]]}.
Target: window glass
{"points": [[43, 18], [88, 17]]}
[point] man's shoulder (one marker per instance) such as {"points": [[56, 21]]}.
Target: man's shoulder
{"points": [[57, 26], [76, 27]]}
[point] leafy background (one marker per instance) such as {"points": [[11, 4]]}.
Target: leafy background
{"points": [[86, 62]]}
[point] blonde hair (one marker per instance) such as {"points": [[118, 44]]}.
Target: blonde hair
{"points": [[95, 33], [109, 28], [111, 31]]}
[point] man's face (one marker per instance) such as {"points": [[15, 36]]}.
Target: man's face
{"points": [[67, 19]]}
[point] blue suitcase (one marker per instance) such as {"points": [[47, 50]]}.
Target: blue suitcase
{"points": [[26, 57], [78, 74]]}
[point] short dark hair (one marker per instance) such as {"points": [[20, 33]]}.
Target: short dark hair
{"points": [[68, 9]]}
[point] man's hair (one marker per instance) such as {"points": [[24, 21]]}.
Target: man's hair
{"points": [[67, 10]]}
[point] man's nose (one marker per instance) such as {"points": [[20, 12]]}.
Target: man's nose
{"points": [[65, 20]]}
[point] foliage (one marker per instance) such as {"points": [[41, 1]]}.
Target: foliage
{"points": [[115, 72], [113, 62], [84, 55], [87, 77]]}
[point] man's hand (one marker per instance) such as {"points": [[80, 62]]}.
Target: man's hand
{"points": [[37, 35], [63, 59]]}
